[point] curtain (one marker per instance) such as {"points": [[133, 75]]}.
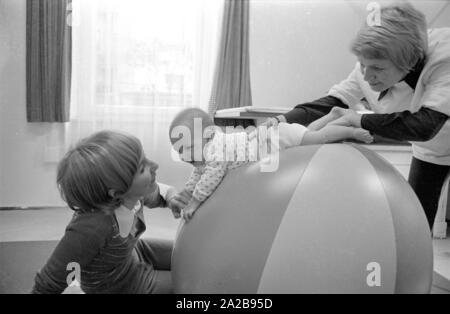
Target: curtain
{"points": [[231, 87], [48, 60], [136, 63]]}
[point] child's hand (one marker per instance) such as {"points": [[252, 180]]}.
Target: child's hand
{"points": [[177, 201], [190, 209], [271, 122]]}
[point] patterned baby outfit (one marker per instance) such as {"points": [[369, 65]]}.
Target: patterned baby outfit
{"points": [[227, 151]]}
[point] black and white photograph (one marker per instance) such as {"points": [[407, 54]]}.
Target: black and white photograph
{"points": [[224, 153]]}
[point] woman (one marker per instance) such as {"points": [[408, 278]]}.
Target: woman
{"points": [[106, 180], [403, 75]]}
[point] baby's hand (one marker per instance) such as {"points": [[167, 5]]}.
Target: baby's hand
{"points": [[177, 201], [188, 212], [190, 209], [271, 122], [263, 129]]}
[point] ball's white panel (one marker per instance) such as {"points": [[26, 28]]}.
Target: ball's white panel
{"points": [[337, 223], [412, 234]]}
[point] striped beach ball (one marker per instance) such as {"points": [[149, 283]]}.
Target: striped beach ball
{"points": [[333, 218]]}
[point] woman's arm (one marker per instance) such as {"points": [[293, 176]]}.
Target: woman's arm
{"points": [[83, 238], [308, 112], [420, 126], [424, 124]]}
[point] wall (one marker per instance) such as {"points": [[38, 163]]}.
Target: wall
{"points": [[300, 48], [25, 179]]}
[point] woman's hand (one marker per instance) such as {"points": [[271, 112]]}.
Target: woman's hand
{"points": [[350, 118], [176, 201]]}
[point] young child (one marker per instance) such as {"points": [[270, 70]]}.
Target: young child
{"points": [[106, 179], [210, 154]]}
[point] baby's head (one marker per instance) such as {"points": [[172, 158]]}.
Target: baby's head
{"points": [[103, 162], [189, 132]]}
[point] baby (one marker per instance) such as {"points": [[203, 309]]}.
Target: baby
{"points": [[199, 142]]}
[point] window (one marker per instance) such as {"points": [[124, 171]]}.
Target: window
{"points": [[154, 54], [138, 56]]}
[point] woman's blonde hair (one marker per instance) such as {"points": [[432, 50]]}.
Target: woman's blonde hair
{"points": [[104, 161], [401, 37]]}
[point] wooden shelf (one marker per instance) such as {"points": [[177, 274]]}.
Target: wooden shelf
{"points": [[250, 112]]}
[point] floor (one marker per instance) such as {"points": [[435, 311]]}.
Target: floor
{"points": [[441, 250], [39, 229]]}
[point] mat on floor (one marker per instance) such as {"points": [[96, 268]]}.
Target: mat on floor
{"points": [[19, 262]]}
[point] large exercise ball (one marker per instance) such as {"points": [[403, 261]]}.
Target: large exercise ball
{"points": [[332, 219]]}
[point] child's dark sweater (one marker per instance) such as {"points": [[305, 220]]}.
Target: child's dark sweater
{"points": [[110, 262]]}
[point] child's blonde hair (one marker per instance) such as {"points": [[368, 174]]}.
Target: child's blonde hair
{"points": [[401, 38], [103, 162]]}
